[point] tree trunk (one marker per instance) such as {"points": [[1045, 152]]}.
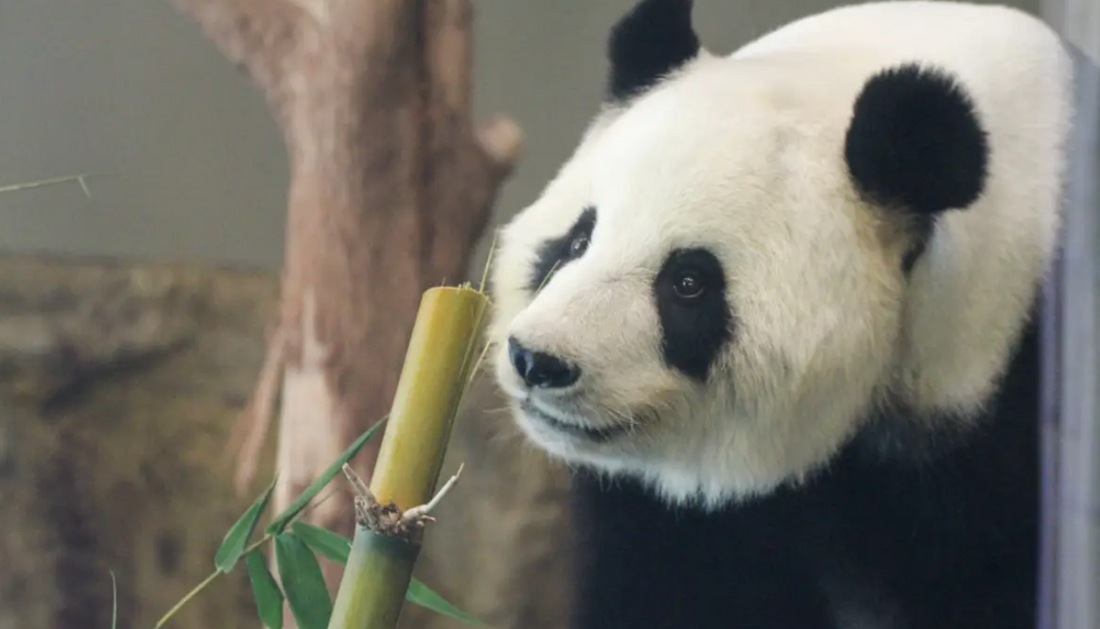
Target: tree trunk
{"points": [[390, 188]]}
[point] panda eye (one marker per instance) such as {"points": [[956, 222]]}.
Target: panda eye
{"points": [[578, 246], [688, 285]]}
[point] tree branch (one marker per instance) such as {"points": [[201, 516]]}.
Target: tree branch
{"points": [[448, 57], [500, 141], [247, 437], [256, 34], [449, 24], [464, 166]]}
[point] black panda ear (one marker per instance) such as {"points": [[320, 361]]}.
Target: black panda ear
{"points": [[653, 39], [915, 140]]}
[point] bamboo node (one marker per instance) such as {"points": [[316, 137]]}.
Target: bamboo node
{"points": [[388, 519]]}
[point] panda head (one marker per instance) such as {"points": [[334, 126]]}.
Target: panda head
{"points": [[717, 288]]}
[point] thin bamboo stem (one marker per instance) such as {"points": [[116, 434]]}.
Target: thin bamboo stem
{"points": [[373, 587]]}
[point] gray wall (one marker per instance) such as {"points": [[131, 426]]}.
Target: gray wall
{"points": [[184, 159]]}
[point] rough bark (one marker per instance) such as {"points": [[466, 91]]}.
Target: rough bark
{"points": [[390, 188], [117, 385]]}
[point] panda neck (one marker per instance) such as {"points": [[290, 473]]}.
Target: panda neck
{"points": [[896, 432]]}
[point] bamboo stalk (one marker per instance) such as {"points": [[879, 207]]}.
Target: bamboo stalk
{"points": [[391, 513], [372, 590], [426, 401]]}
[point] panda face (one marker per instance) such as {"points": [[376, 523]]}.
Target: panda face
{"points": [[674, 306], [719, 285]]}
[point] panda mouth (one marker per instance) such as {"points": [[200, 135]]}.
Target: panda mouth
{"points": [[592, 434]]}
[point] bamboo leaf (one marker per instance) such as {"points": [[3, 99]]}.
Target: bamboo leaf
{"points": [[303, 582], [15, 187], [420, 594], [235, 540], [279, 523], [269, 599], [332, 545]]}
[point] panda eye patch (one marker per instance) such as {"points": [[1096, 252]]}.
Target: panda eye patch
{"points": [[696, 320], [690, 274], [556, 252]]}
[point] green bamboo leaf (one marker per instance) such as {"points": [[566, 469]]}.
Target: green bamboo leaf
{"points": [[279, 523], [420, 594], [332, 545], [235, 540], [303, 582], [269, 599]]}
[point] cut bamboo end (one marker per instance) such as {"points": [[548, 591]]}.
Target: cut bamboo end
{"points": [[433, 379]]}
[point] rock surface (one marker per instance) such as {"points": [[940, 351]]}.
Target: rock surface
{"points": [[119, 385]]}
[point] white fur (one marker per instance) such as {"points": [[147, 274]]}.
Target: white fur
{"points": [[744, 154]]}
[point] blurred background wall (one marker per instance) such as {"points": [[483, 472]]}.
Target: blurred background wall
{"points": [[184, 160]]}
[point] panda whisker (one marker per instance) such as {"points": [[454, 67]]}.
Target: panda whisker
{"points": [[620, 416], [497, 410], [507, 433], [632, 420], [549, 274], [511, 437]]}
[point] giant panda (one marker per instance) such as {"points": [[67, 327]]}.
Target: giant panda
{"points": [[778, 312]]}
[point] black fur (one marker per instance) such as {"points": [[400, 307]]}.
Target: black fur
{"points": [[555, 252], [921, 229], [693, 331], [916, 141], [646, 44], [947, 540]]}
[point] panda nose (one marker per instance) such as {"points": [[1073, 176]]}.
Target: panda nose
{"points": [[541, 370]]}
